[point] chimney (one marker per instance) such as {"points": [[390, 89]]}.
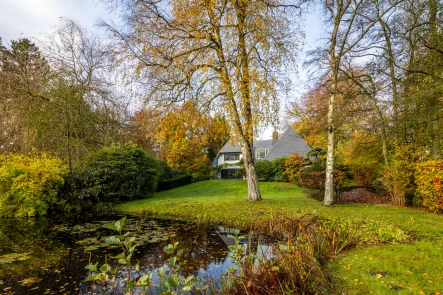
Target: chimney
{"points": [[274, 137]]}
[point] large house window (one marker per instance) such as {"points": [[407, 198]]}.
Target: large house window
{"points": [[261, 153], [230, 174], [232, 157]]}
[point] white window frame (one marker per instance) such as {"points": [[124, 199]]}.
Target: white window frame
{"points": [[235, 156], [261, 153]]}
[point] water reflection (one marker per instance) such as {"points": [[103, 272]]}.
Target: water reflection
{"points": [[56, 256]]}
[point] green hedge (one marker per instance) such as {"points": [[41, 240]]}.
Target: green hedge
{"points": [[173, 183]]}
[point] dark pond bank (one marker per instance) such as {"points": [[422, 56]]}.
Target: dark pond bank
{"points": [[42, 256]]}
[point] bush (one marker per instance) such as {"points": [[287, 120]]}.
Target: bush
{"points": [[293, 167], [362, 195], [118, 173], [167, 172], [29, 185], [396, 181], [316, 179], [278, 170], [399, 173], [429, 180], [205, 173], [263, 169], [173, 183], [363, 176], [317, 167]]}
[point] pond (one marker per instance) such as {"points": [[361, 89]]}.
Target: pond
{"points": [[42, 256]]}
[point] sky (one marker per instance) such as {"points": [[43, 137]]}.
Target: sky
{"points": [[36, 18]]}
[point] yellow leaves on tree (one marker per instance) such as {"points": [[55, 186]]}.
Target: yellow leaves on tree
{"points": [[29, 184], [230, 55], [293, 166], [186, 138]]}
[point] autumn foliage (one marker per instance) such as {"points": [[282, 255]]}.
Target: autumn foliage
{"points": [[185, 138], [316, 179], [29, 185], [293, 166], [429, 180]]}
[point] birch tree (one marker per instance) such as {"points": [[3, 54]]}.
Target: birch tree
{"points": [[224, 54], [351, 20]]}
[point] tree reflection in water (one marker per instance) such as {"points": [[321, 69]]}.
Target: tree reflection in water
{"points": [[57, 255]]}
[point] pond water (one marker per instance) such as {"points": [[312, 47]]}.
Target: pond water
{"points": [[42, 256]]}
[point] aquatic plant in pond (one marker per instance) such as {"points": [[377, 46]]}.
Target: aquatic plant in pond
{"points": [[56, 262], [170, 279]]}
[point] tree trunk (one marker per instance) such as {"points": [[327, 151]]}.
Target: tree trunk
{"points": [[433, 41], [392, 76], [251, 175], [243, 69], [329, 183], [334, 63], [436, 137], [383, 135]]}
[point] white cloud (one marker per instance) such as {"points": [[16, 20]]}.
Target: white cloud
{"points": [[34, 18]]}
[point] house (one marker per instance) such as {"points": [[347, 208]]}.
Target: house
{"points": [[288, 143]]}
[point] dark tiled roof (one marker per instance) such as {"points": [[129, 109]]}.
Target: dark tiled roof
{"points": [[290, 142], [258, 144], [229, 148]]}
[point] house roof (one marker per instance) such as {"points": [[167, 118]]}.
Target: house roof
{"points": [[290, 142], [258, 144]]}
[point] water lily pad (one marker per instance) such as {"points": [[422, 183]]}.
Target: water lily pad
{"points": [[29, 281], [92, 247], [87, 242], [11, 257]]}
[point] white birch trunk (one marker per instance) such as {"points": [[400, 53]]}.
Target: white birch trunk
{"points": [[251, 175], [329, 183]]}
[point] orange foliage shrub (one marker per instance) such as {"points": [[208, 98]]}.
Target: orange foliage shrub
{"points": [[429, 180], [363, 175], [316, 179], [293, 166]]}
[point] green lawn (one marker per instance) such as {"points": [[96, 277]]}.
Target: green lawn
{"points": [[413, 268]]}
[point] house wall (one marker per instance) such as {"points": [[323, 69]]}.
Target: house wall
{"points": [[221, 159]]}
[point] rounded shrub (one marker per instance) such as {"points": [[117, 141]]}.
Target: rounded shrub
{"points": [[30, 185], [263, 169], [278, 169], [294, 165], [120, 172]]}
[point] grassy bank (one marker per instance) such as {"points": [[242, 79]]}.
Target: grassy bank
{"points": [[413, 268]]}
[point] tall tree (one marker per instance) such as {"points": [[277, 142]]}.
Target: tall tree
{"points": [[60, 100], [25, 74], [85, 108], [350, 20], [227, 54]]}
